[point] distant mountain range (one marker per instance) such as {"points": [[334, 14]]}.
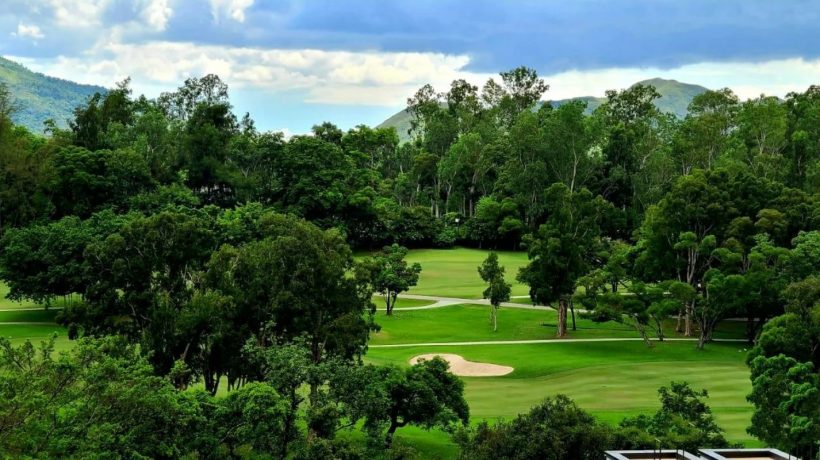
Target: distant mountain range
{"points": [[675, 98], [41, 97]]}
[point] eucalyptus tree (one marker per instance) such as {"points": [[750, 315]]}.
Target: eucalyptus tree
{"points": [[563, 248]]}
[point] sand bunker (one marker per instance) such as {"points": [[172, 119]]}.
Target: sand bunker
{"points": [[464, 368]]}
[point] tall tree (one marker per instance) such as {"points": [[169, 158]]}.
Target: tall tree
{"points": [[498, 290], [563, 248]]}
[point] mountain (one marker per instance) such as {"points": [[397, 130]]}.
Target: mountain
{"points": [[41, 97], [675, 98]]}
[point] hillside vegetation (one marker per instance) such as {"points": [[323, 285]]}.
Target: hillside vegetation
{"points": [[41, 97]]}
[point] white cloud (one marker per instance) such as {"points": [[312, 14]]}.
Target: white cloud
{"points": [[156, 13], [235, 9], [78, 13], [32, 31], [746, 79], [335, 77], [381, 78]]}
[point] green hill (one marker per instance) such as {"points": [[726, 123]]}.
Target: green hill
{"points": [[675, 98], [41, 97]]}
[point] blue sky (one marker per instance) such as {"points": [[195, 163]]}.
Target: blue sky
{"points": [[293, 63]]}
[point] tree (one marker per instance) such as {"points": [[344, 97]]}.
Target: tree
{"points": [[498, 290], [645, 306], [556, 429], [684, 421], [252, 416], [562, 249], [142, 281], [44, 261], [784, 367], [569, 136], [391, 275], [98, 399], [786, 396], [679, 234], [388, 397]]}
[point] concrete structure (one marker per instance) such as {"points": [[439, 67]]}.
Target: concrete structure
{"points": [[649, 455], [746, 454], [703, 454]]}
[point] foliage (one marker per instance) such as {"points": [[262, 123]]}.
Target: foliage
{"points": [[389, 274], [684, 421], [497, 290], [555, 429]]}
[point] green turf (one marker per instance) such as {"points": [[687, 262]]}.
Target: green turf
{"points": [[401, 302], [29, 316], [465, 323], [612, 380], [454, 272], [8, 304]]}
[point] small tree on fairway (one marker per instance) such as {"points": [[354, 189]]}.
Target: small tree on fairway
{"points": [[391, 275], [497, 290]]}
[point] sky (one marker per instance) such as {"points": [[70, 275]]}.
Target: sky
{"points": [[296, 63]]}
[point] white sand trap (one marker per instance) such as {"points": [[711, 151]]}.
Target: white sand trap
{"points": [[464, 368]]}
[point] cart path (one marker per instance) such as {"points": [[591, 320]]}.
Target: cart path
{"points": [[541, 341], [439, 302]]}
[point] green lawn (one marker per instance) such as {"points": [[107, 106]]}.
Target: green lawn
{"points": [[401, 302], [28, 316], [454, 272], [8, 304], [465, 323], [610, 379]]}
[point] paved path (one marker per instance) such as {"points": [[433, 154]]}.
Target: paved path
{"points": [[539, 341], [438, 302]]}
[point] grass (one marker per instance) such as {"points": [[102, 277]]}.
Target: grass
{"points": [[454, 272], [612, 380], [466, 323], [401, 302]]}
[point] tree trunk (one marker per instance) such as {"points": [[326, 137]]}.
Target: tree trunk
{"points": [[562, 318], [702, 339], [659, 328], [690, 307], [495, 318], [678, 328], [394, 425], [572, 310], [641, 328], [390, 299]]}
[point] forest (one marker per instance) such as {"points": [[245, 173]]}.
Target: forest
{"points": [[217, 281]]}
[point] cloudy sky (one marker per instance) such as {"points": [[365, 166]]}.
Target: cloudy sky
{"points": [[294, 63]]}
